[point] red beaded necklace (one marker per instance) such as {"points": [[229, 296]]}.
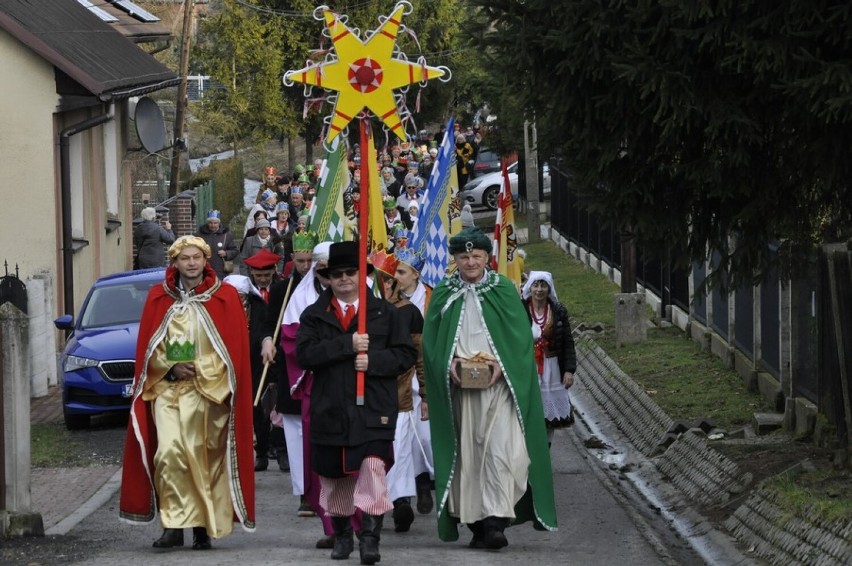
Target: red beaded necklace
{"points": [[540, 321]]}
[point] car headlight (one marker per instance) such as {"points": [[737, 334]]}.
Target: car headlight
{"points": [[73, 363]]}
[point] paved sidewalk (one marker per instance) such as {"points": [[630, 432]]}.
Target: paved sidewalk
{"points": [[65, 496]]}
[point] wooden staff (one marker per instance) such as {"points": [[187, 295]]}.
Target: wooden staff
{"points": [[274, 340]]}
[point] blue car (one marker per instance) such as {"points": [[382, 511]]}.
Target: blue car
{"points": [[98, 361]]}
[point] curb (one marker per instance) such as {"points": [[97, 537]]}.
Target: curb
{"points": [[701, 474]]}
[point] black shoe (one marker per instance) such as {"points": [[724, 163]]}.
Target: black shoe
{"points": [[478, 540], [200, 539], [326, 542], [261, 463], [283, 461], [425, 503], [371, 533], [170, 539], [344, 544], [403, 515], [494, 537]]}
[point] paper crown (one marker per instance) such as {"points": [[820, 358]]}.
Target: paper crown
{"points": [[295, 190], [384, 262], [304, 179], [180, 350], [305, 241], [388, 203], [409, 256], [269, 171], [299, 169], [267, 194], [282, 207], [214, 214]]}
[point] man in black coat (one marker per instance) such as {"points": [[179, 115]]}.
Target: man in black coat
{"points": [[351, 443]]}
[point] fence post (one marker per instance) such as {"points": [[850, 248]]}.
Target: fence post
{"points": [[17, 517]]}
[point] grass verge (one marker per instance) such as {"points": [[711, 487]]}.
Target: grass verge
{"points": [[689, 385], [52, 447]]}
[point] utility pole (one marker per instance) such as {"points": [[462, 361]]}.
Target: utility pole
{"points": [[531, 174], [180, 106]]}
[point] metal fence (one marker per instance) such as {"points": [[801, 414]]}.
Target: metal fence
{"points": [[751, 319]]}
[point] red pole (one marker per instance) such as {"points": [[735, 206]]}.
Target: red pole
{"points": [[363, 237]]}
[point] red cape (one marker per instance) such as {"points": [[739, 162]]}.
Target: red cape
{"points": [[138, 502]]}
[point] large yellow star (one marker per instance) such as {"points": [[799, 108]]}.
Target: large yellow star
{"points": [[364, 73]]}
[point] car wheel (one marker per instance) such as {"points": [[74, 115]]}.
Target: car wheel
{"points": [[491, 198], [76, 422]]}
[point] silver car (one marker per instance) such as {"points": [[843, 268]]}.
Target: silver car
{"points": [[485, 190]]}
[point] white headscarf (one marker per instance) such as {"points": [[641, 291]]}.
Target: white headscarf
{"points": [[242, 284], [305, 293], [539, 276]]}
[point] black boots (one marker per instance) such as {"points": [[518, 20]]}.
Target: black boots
{"points": [[488, 533], [343, 542], [494, 538], [261, 463], [371, 531], [169, 539], [403, 515], [424, 493], [200, 539]]}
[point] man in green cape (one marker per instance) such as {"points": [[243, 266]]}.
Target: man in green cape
{"points": [[492, 462]]}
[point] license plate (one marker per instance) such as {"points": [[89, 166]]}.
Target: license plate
{"points": [[128, 390]]}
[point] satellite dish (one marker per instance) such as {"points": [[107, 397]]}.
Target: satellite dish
{"points": [[150, 125]]}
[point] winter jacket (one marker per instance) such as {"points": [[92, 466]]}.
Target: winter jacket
{"points": [[222, 239], [563, 339], [149, 237], [323, 347]]}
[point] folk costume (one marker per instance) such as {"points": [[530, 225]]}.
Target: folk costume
{"points": [[489, 445], [351, 443], [554, 352], [188, 450], [421, 448]]}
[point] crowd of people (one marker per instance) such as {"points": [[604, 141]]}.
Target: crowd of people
{"points": [[235, 369]]}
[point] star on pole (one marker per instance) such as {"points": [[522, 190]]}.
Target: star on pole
{"points": [[364, 73]]}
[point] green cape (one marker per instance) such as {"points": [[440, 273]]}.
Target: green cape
{"points": [[508, 328]]}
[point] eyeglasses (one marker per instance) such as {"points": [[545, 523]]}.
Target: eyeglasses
{"points": [[338, 273]]}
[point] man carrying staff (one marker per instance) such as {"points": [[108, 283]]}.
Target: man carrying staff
{"points": [[188, 451], [352, 443], [492, 464]]}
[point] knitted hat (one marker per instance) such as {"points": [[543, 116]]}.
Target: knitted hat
{"points": [[469, 239], [262, 223]]}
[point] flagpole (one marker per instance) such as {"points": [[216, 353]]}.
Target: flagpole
{"points": [[363, 237]]}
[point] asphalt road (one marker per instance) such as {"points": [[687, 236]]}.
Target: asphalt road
{"points": [[601, 522]]}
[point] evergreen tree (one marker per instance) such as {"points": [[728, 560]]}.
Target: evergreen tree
{"points": [[714, 125]]}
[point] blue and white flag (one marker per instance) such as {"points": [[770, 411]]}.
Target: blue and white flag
{"points": [[438, 213]]}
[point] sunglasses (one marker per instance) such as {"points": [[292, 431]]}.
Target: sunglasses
{"points": [[338, 273]]}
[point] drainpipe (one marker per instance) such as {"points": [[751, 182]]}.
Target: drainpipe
{"points": [[65, 203]]}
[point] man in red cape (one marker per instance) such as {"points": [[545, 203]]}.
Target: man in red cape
{"points": [[188, 452]]}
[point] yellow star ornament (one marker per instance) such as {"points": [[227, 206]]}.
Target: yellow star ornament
{"points": [[364, 73]]}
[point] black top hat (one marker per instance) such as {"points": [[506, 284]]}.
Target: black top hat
{"points": [[343, 255]]}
